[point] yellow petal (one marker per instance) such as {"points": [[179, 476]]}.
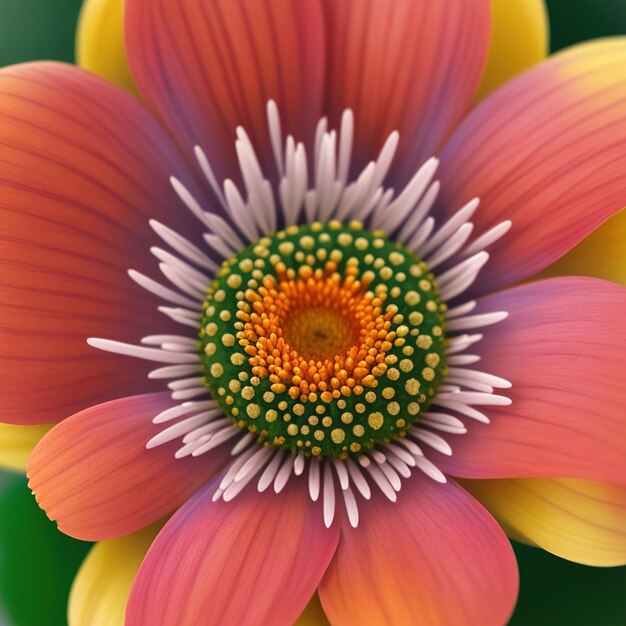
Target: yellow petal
{"points": [[602, 254], [100, 41], [17, 442], [313, 615], [519, 39], [579, 520], [102, 586]]}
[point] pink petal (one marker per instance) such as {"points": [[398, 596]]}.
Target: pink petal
{"points": [[408, 66], [562, 348], [93, 475], [434, 557], [84, 168], [207, 67], [256, 560], [547, 151]]}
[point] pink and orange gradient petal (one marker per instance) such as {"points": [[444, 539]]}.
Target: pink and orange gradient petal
{"points": [[256, 560], [408, 66], [579, 520], [546, 152], [84, 167], [207, 67], [93, 474], [562, 348], [434, 557]]}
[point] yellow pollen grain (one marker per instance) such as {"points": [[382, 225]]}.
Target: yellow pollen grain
{"points": [[406, 365], [217, 370], [327, 421], [432, 359], [292, 429], [234, 385], [211, 329], [307, 242], [359, 408], [412, 386], [314, 420], [413, 408], [247, 393], [355, 447], [319, 435], [228, 340], [286, 247], [424, 342], [393, 408], [375, 420], [393, 373], [225, 315], [304, 429], [358, 430], [361, 244], [237, 358], [271, 415], [210, 349], [345, 239], [253, 411], [431, 306], [347, 417], [428, 374], [388, 393], [396, 258], [337, 435], [395, 291], [219, 295], [298, 409], [268, 396], [416, 318], [402, 331], [386, 273], [370, 397]]}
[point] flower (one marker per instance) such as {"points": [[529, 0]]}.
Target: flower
{"points": [[380, 523]]}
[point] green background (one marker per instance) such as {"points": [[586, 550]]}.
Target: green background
{"points": [[37, 563]]}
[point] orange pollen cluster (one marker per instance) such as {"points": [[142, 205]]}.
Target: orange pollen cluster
{"points": [[316, 333]]}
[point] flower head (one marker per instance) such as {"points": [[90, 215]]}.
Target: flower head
{"points": [[336, 335]]}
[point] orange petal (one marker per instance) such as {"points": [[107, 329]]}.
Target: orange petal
{"points": [[408, 66], [435, 557], [256, 560], [548, 152], [207, 67], [84, 167], [93, 474], [562, 349]]}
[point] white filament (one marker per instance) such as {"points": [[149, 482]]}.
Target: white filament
{"points": [[316, 187]]}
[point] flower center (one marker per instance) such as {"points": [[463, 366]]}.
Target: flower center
{"points": [[324, 339]]}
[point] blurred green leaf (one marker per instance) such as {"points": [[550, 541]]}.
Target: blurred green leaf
{"points": [[37, 29], [572, 21], [556, 592], [37, 562]]}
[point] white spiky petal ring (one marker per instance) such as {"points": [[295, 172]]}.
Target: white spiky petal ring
{"points": [[327, 346]]}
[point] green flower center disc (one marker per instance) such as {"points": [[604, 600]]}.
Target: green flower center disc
{"points": [[325, 339]]}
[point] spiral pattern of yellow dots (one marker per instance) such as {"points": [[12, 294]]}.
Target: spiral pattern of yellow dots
{"points": [[325, 339]]}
